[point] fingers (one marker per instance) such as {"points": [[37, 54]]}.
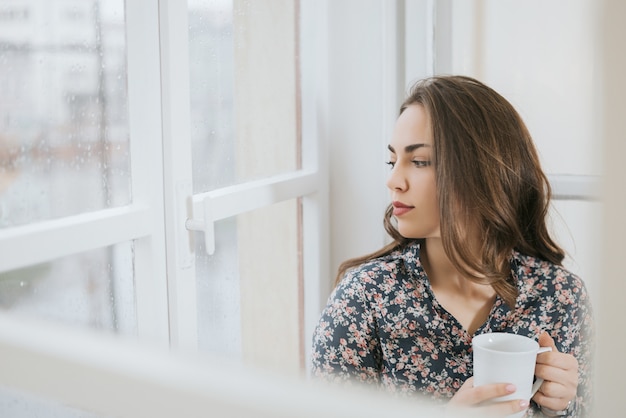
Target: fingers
{"points": [[558, 388], [546, 341], [555, 390], [557, 360], [560, 374], [554, 366], [556, 404], [468, 395], [564, 375], [488, 392], [478, 401], [503, 409], [493, 410]]}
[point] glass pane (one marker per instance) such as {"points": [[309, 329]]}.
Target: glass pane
{"points": [[211, 79], [93, 289], [249, 291], [243, 75], [245, 126], [218, 287], [63, 112]]}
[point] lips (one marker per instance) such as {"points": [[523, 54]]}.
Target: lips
{"points": [[400, 208]]}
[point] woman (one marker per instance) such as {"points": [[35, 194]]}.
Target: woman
{"points": [[471, 254]]}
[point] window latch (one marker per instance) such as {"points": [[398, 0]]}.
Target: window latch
{"points": [[229, 201]]}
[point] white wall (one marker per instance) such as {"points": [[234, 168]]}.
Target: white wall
{"points": [[545, 69], [542, 57], [355, 128], [611, 340]]}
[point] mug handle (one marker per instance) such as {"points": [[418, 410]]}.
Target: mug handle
{"points": [[539, 380]]}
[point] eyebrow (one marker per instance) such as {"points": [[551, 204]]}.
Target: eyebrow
{"points": [[409, 148]]}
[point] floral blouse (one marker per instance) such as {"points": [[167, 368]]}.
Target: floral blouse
{"points": [[383, 325]]}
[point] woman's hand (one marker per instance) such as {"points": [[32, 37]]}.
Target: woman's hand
{"points": [[560, 374], [474, 401]]}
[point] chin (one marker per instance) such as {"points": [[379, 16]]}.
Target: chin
{"points": [[410, 234], [413, 234]]}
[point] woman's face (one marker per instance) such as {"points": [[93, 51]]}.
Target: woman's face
{"points": [[412, 177]]}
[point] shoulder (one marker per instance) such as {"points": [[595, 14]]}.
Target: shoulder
{"points": [[382, 274], [541, 278], [552, 298]]}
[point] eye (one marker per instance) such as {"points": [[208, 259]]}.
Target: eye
{"points": [[421, 163], [391, 164]]}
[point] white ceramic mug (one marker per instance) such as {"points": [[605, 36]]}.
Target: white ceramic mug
{"points": [[501, 357]]}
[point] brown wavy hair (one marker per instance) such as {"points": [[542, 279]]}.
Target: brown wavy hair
{"points": [[488, 177]]}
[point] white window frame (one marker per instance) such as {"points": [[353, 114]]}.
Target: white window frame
{"points": [[310, 183], [142, 220], [163, 211]]}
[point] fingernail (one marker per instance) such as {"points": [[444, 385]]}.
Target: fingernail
{"points": [[510, 388], [523, 404]]}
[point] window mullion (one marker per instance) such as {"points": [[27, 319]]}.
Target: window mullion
{"points": [[38, 243], [177, 166], [144, 98], [314, 36]]}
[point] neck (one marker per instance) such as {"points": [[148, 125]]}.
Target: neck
{"points": [[468, 301], [437, 263], [443, 275]]}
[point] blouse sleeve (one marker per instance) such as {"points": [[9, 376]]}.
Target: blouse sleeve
{"points": [[574, 334], [345, 342], [582, 348]]}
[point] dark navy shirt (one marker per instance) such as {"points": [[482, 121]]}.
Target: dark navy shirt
{"points": [[383, 325]]}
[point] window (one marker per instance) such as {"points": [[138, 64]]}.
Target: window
{"points": [[246, 129], [139, 134], [65, 156]]}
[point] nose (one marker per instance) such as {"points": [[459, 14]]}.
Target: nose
{"points": [[396, 180]]}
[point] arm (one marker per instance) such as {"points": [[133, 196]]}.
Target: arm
{"points": [[568, 369], [345, 342]]}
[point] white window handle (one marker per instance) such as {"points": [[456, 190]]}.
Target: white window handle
{"points": [[223, 203]]}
